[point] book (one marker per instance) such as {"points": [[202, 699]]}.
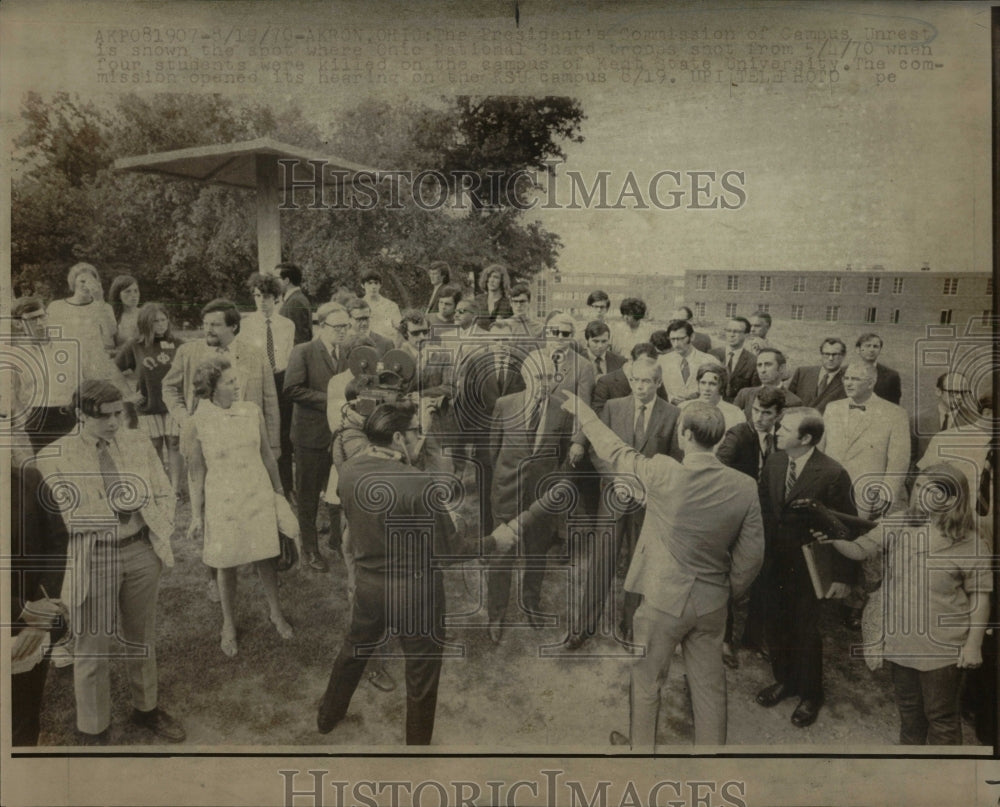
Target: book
{"points": [[820, 560]]}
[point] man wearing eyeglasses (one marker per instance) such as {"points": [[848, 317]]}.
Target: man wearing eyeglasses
{"points": [[310, 369], [739, 361], [523, 323], [817, 386], [680, 365], [361, 319], [953, 407]]}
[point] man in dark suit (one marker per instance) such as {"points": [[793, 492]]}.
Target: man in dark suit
{"points": [[616, 384], [770, 371], [530, 440], [649, 425], [739, 361], [597, 348], [953, 407], [887, 383], [306, 380], [397, 591], [798, 470], [439, 275], [295, 305], [816, 386]]}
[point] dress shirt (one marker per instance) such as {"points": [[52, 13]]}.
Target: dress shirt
{"points": [[673, 380], [253, 331]]}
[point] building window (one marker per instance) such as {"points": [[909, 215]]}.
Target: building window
{"points": [[732, 282], [798, 311], [799, 284], [763, 308], [765, 282], [701, 282], [833, 311], [946, 316], [897, 285], [950, 286], [870, 315], [731, 310], [833, 287], [699, 309], [895, 317], [874, 284]]}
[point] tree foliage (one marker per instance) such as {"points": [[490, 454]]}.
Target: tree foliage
{"points": [[187, 242]]}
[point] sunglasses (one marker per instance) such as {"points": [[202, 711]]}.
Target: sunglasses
{"points": [[558, 332], [419, 331]]}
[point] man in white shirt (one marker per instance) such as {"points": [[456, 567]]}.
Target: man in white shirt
{"points": [[711, 381], [385, 313], [680, 365]]}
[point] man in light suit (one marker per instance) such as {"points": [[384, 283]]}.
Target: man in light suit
{"points": [[307, 379], [530, 439], [701, 341], [798, 470], [220, 320], [680, 365], [816, 386], [702, 539], [887, 383], [648, 424], [740, 362], [120, 519]]}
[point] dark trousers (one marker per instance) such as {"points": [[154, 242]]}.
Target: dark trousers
{"points": [[928, 705], [285, 406], [418, 627], [792, 625], [312, 472], [600, 562], [26, 703], [47, 424], [536, 542], [753, 628]]}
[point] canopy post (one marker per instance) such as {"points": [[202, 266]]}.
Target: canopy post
{"points": [[268, 215]]}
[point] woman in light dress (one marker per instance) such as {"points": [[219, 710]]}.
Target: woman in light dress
{"points": [[234, 479]]}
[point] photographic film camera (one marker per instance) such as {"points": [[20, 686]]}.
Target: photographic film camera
{"points": [[379, 381]]}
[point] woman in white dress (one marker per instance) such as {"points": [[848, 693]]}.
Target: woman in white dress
{"points": [[234, 479]]}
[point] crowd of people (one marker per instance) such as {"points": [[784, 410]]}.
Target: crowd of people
{"points": [[701, 472]]}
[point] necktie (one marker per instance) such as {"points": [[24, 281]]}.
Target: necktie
{"points": [[270, 344], [856, 406], [824, 379], [685, 371], [729, 363], [768, 445], [599, 365], [335, 353], [115, 488], [640, 427], [790, 479]]}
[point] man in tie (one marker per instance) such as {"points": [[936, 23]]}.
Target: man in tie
{"points": [[273, 335], [361, 320], [597, 340], [816, 386], [616, 384], [680, 365], [740, 362], [887, 382], [798, 470], [120, 517], [953, 407], [701, 341], [306, 381], [771, 369]]}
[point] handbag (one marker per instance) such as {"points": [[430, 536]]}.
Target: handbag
{"points": [[289, 539]]}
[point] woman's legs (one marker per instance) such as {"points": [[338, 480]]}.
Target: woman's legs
{"points": [[227, 595], [269, 579]]}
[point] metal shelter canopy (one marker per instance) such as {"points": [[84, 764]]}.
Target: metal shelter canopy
{"points": [[251, 164]]}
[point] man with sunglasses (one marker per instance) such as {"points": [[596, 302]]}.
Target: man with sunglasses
{"points": [[307, 378]]}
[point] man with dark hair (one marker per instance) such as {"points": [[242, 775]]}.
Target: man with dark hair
{"points": [[701, 540], [817, 386], [798, 470], [439, 274], [597, 344], [361, 319], [616, 384], [396, 590], [953, 407], [739, 361], [771, 367], [712, 380], [385, 313], [273, 335], [887, 382], [523, 323], [448, 298], [680, 365], [633, 327], [294, 303], [701, 341], [599, 304], [307, 379]]}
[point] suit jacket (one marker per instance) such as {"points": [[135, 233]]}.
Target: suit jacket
{"points": [[887, 384], [478, 387], [299, 311], [612, 362], [744, 373], [744, 399], [822, 479], [310, 368], [75, 466], [740, 449], [615, 385], [252, 369], [702, 538], [432, 304], [518, 465], [701, 341], [806, 379], [874, 441]]}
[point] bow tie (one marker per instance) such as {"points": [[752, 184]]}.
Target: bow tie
{"points": [[856, 406]]}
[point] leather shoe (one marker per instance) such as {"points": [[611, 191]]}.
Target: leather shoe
{"points": [[773, 695], [161, 724], [324, 723], [496, 631], [315, 561], [617, 738], [806, 712], [729, 657]]}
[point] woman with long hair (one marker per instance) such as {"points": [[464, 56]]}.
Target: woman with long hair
{"points": [[149, 355], [935, 602], [124, 298], [494, 300]]}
